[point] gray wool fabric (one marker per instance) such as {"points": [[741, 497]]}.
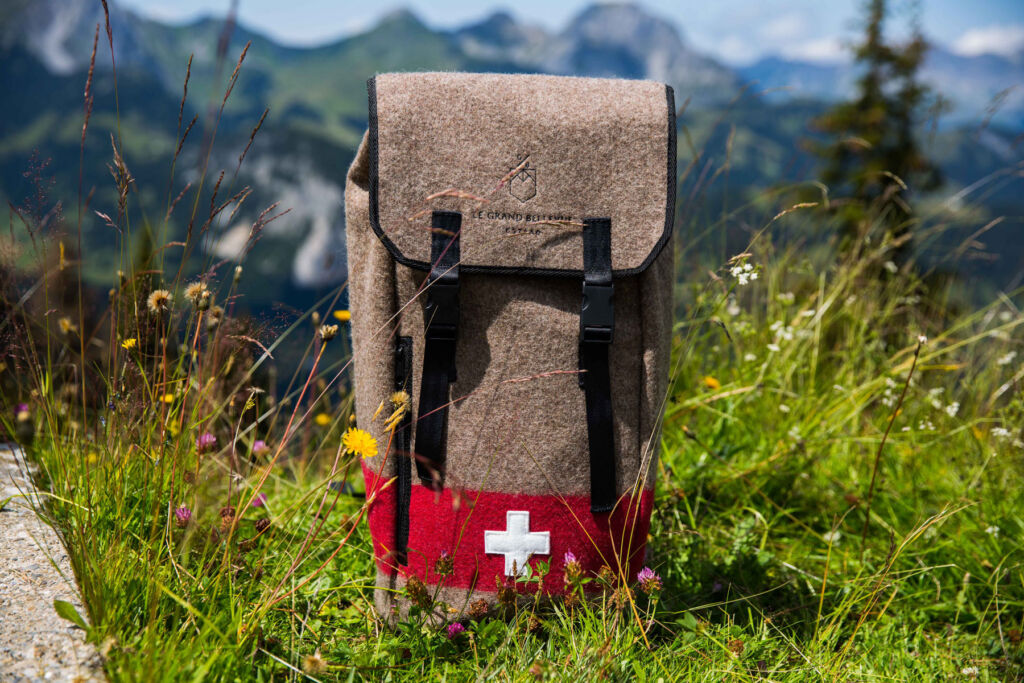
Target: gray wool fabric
{"points": [[524, 159]]}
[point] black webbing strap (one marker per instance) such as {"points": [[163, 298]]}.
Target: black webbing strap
{"points": [[403, 450], [441, 326], [597, 324]]}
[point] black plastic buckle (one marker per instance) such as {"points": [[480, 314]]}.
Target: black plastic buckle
{"points": [[597, 317], [441, 314]]}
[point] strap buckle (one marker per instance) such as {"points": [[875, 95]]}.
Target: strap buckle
{"points": [[441, 314], [597, 316]]}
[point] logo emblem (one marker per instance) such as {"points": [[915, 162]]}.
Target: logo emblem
{"points": [[517, 543], [523, 185]]}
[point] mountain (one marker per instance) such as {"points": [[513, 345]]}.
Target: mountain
{"points": [[983, 86], [317, 115], [610, 40]]}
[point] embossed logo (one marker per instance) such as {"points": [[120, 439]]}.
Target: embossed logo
{"points": [[523, 184]]}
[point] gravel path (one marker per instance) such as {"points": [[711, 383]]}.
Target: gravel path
{"points": [[35, 643]]}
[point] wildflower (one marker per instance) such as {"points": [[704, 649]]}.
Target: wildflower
{"points": [[1006, 359], [196, 292], [342, 316], [831, 537], [314, 664], [418, 593], [992, 531], [214, 318], [783, 408], [478, 609], [359, 442], [649, 581], [774, 348], [454, 629], [744, 273], [206, 442], [21, 413], [260, 447], [260, 500], [573, 569], [750, 357], [129, 344], [262, 524], [922, 339], [971, 671], [953, 408], [712, 383], [400, 402], [322, 419], [1001, 433], [167, 398], [445, 565], [159, 301], [182, 516], [66, 326], [891, 267], [733, 308], [92, 458], [328, 332]]}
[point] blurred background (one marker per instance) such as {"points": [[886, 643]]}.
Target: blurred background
{"points": [[760, 87]]}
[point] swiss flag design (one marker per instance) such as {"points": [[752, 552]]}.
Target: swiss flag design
{"points": [[456, 523]]}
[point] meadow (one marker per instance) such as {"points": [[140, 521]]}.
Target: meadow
{"points": [[838, 494]]}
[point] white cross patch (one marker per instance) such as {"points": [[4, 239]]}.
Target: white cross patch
{"points": [[517, 542]]}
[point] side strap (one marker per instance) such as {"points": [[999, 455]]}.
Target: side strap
{"points": [[441, 326], [597, 325], [403, 451]]}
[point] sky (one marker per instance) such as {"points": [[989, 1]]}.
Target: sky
{"points": [[736, 32]]}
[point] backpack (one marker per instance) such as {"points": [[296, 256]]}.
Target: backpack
{"points": [[508, 271]]}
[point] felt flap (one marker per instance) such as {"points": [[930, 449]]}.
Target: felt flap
{"points": [[524, 159]]}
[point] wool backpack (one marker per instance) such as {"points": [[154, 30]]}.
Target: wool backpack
{"points": [[508, 272]]}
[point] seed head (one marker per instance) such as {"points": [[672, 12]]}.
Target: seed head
{"points": [[159, 301], [328, 332]]}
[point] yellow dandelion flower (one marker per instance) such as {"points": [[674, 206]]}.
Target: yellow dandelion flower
{"points": [[322, 419], [359, 442], [712, 383], [66, 326], [159, 301], [129, 344], [167, 398], [342, 316]]}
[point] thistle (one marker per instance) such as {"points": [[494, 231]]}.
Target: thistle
{"points": [[182, 516]]}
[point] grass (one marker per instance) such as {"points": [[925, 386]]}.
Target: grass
{"points": [[838, 496]]}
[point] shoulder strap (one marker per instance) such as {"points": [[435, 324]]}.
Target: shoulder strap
{"points": [[597, 324], [441, 326]]}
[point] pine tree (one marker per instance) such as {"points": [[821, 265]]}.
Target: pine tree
{"points": [[871, 155]]}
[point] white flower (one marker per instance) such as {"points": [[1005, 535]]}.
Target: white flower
{"points": [[732, 308], [992, 530], [1001, 433], [773, 347], [838, 387], [925, 426], [831, 537], [891, 267], [786, 297], [793, 433], [936, 391], [971, 671], [776, 326], [953, 408], [1006, 359], [921, 339], [783, 408], [750, 357]]}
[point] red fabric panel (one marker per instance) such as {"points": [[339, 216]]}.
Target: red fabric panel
{"points": [[455, 521]]}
